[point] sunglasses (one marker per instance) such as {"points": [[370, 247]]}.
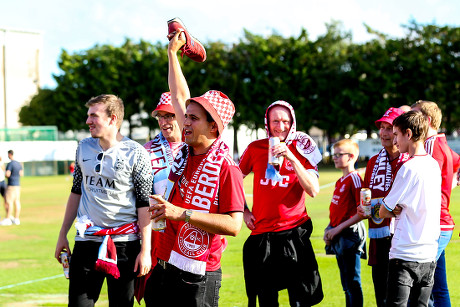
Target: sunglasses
{"points": [[98, 167]]}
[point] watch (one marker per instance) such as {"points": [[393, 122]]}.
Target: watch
{"points": [[188, 214]]}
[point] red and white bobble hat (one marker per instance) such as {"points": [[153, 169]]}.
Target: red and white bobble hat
{"points": [[218, 105], [164, 104]]}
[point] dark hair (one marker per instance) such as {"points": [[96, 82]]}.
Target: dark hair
{"points": [[11, 152], [414, 121]]}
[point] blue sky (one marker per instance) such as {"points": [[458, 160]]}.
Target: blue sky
{"points": [[79, 25]]}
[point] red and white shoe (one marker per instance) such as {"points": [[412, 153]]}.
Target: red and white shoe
{"points": [[192, 48]]}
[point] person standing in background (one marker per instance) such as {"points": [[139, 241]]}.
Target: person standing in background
{"points": [[278, 254], [2, 181], [13, 191], [378, 178], [449, 161], [345, 236]]}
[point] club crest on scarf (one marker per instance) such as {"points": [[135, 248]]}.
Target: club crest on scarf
{"points": [[193, 241]]}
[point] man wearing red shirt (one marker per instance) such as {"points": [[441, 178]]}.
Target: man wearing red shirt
{"points": [[278, 253], [204, 198], [449, 161], [378, 178]]}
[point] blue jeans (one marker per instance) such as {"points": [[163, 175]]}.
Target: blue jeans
{"points": [[440, 294], [409, 281], [350, 275], [171, 286], [347, 247]]}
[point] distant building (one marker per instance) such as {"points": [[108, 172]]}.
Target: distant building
{"points": [[20, 53]]}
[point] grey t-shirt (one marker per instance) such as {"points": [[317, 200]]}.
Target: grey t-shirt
{"points": [[112, 184]]}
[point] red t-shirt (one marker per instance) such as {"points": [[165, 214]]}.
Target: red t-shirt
{"points": [[277, 206], [231, 199], [449, 162], [345, 198]]}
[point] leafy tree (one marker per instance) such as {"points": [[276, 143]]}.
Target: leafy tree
{"points": [[333, 83], [137, 73]]}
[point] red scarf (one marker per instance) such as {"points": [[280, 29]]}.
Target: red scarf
{"points": [[107, 257], [200, 192]]}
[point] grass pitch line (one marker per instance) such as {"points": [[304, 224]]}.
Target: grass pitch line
{"points": [[30, 282], [327, 185]]}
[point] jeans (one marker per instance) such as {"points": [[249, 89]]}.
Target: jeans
{"points": [[348, 254], [440, 294], [170, 286], [85, 282], [409, 281]]}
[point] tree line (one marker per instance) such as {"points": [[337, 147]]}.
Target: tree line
{"points": [[333, 83]]}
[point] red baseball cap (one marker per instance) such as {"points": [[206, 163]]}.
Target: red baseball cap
{"points": [[218, 105], [389, 116], [164, 104]]}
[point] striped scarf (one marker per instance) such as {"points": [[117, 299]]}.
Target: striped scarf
{"points": [[200, 192], [107, 256]]}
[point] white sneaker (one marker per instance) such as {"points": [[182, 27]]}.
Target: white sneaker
{"points": [[6, 222], [16, 221]]}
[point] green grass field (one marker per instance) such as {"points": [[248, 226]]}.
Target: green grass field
{"points": [[30, 276]]}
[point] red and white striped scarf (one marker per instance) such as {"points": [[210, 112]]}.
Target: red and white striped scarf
{"points": [[382, 170], [200, 192], [107, 256]]}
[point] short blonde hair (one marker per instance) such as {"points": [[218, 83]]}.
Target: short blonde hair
{"points": [[431, 109], [349, 145], [114, 106]]}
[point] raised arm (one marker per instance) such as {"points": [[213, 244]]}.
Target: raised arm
{"points": [[176, 79]]}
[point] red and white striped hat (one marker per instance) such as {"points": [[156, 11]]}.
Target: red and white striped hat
{"points": [[218, 105], [164, 104]]}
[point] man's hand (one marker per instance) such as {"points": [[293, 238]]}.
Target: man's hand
{"points": [[326, 238], [397, 210], [143, 263], [165, 210], [249, 219], [176, 41], [360, 212], [281, 150], [61, 246], [331, 233]]}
